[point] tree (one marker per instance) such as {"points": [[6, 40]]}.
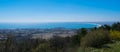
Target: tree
{"points": [[56, 43], [80, 33], [95, 38], [45, 47], [116, 26], [105, 27], [9, 43]]}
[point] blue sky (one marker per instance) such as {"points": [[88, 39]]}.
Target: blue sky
{"points": [[59, 10]]}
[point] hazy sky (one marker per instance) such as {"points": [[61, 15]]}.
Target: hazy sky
{"points": [[59, 10]]}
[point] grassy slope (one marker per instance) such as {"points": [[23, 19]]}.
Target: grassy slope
{"points": [[114, 47]]}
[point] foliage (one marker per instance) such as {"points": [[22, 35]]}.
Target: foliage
{"points": [[60, 44], [115, 35], [80, 33], [116, 26], [105, 27], [45, 47], [95, 38], [114, 47]]}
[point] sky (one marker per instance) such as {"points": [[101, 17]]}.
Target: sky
{"points": [[59, 10]]}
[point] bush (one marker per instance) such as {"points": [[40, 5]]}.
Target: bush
{"points": [[116, 26], [80, 33], [115, 35], [45, 47], [95, 38]]}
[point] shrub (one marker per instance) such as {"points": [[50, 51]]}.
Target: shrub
{"points": [[116, 26], [115, 35], [80, 33], [45, 47], [95, 38], [105, 27]]}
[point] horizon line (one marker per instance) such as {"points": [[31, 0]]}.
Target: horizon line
{"points": [[60, 21]]}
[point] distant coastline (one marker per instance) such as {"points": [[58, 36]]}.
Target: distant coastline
{"points": [[67, 25], [51, 25]]}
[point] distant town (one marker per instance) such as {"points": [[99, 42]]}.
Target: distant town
{"points": [[36, 33]]}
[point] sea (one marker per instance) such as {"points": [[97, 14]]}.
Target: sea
{"points": [[49, 25]]}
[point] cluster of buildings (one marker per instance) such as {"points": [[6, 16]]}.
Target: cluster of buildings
{"points": [[36, 33]]}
